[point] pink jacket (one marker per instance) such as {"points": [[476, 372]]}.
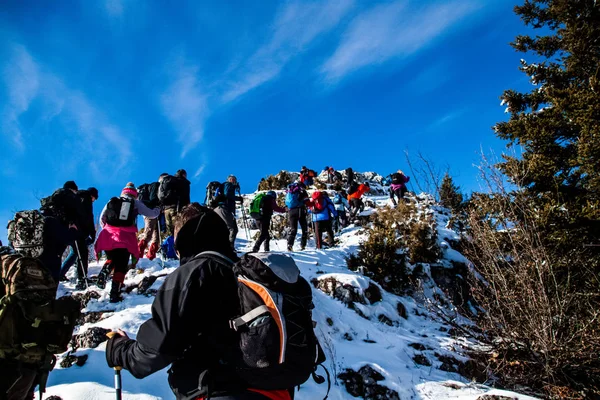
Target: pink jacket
{"points": [[114, 237], [122, 237]]}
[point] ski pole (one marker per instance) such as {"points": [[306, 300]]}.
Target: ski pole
{"points": [[80, 262], [118, 382], [159, 241]]}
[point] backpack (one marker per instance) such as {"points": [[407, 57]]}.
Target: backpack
{"points": [[214, 193], [62, 204], [256, 206], [397, 179], [349, 174], [353, 188], [148, 194], [26, 233], [386, 181], [337, 199], [311, 173], [276, 338], [33, 324], [319, 202], [168, 248], [120, 211], [292, 197], [167, 191]]}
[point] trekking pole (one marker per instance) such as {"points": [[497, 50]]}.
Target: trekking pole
{"points": [[244, 217], [160, 241], [80, 262], [118, 381]]}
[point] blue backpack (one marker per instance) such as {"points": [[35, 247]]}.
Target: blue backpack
{"points": [[386, 181], [168, 248], [292, 197], [337, 199]]}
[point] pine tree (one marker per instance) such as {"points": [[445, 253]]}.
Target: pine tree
{"points": [[557, 124], [450, 195]]}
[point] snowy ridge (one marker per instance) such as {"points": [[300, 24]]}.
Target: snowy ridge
{"points": [[358, 323]]}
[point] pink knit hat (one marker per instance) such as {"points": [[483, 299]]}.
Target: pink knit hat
{"points": [[130, 190]]}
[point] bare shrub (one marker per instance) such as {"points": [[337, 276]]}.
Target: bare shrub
{"points": [[542, 300]]}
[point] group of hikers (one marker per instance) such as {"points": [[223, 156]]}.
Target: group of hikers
{"points": [[238, 348]]}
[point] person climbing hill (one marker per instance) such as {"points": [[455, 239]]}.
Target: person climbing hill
{"points": [[262, 209], [118, 237], [295, 200], [355, 198], [323, 213], [398, 185]]}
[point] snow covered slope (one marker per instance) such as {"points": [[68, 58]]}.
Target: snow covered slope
{"points": [[386, 345]]}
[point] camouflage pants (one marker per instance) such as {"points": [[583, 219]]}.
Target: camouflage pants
{"points": [[170, 215], [150, 231]]}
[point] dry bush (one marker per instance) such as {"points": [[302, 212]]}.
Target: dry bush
{"points": [[396, 236], [276, 182], [542, 299]]}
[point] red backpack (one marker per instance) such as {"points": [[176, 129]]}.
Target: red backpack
{"points": [[318, 201]]}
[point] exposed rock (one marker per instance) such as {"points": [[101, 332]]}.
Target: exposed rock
{"points": [[421, 360], [418, 346], [346, 293], [54, 398], [449, 364], [85, 297], [364, 384], [453, 281], [329, 321], [367, 340], [402, 310], [348, 337], [71, 360], [90, 338], [386, 320], [90, 317], [495, 397]]}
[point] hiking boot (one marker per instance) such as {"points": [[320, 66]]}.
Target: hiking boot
{"points": [[103, 276], [63, 279], [115, 292], [81, 284], [142, 247], [151, 252]]}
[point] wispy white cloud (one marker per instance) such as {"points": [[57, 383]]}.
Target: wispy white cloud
{"points": [[199, 171], [295, 28], [22, 81], [450, 116], [391, 30], [185, 105], [28, 81]]}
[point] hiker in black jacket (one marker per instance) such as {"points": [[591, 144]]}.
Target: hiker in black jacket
{"points": [[189, 327], [85, 237]]}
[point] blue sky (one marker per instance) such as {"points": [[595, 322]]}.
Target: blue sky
{"points": [[110, 91]]}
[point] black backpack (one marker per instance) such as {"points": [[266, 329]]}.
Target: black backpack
{"points": [[120, 211], [63, 205], [349, 174], [215, 194], [353, 188], [276, 332], [148, 194], [396, 178], [278, 346], [167, 192]]}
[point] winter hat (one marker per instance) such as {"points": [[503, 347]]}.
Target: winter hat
{"points": [[130, 190], [93, 191], [205, 232], [181, 173], [70, 185]]}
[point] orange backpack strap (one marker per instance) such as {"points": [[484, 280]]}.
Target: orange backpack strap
{"points": [[270, 306]]}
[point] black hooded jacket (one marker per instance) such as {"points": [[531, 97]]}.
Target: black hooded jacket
{"points": [[189, 327]]}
